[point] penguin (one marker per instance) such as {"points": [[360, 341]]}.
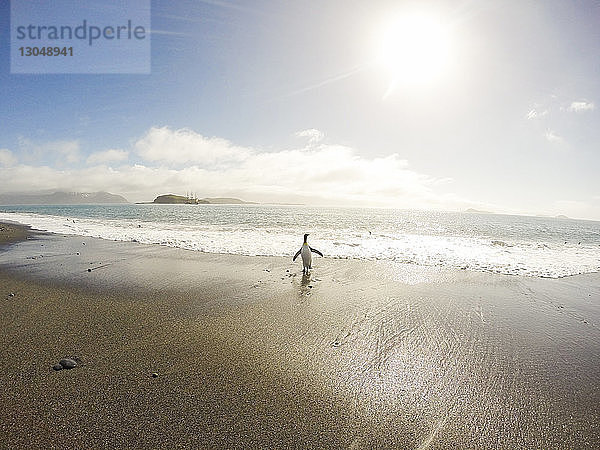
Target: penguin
{"points": [[305, 251]]}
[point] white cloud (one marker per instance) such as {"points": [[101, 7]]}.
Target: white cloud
{"points": [[62, 150], [313, 174], [540, 110], [552, 137], [67, 149], [7, 158], [581, 106], [177, 147], [312, 134], [107, 156], [534, 114]]}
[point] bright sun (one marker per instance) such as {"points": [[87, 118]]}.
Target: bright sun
{"points": [[413, 49]]}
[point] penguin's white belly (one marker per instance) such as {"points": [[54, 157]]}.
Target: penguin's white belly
{"points": [[306, 256]]}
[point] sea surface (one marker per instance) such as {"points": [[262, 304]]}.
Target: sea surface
{"points": [[511, 245]]}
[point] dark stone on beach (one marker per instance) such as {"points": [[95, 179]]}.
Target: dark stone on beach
{"points": [[155, 375], [67, 363], [77, 253], [12, 294], [57, 367], [83, 243], [89, 270]]}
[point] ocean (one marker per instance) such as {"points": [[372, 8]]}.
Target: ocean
{"points": [[504, 244]]}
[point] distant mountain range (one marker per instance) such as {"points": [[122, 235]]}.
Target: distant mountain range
{"points": [[61, 198]]}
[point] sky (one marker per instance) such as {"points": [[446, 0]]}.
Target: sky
{"points": [[446, 105]]}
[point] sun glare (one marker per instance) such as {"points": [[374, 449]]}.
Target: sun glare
{"points": [[413, 49]]}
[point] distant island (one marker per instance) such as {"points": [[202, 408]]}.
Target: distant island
{"points": [[177, 199], [62, 198], [227, 201], [560, 216], [477, 211], [190, 200]]}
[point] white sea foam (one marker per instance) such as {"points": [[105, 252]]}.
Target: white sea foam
{"points": [[441, 241]]}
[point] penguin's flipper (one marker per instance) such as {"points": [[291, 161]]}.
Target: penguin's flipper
{"points": [[314, 250], [296, 255]]}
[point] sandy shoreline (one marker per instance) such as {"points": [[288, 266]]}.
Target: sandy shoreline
{"points": [[251, 354], [11, 233]]}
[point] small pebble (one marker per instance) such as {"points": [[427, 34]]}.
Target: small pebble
{"points": [[78, 253], [89, 270], [155, 375], [67, 363], [12, 294], [57, 367]]}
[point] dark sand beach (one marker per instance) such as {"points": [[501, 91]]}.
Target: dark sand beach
{"points": [[249, 353]]}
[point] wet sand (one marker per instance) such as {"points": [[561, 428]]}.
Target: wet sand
{"points": [[11, 233], [249, 353]]}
